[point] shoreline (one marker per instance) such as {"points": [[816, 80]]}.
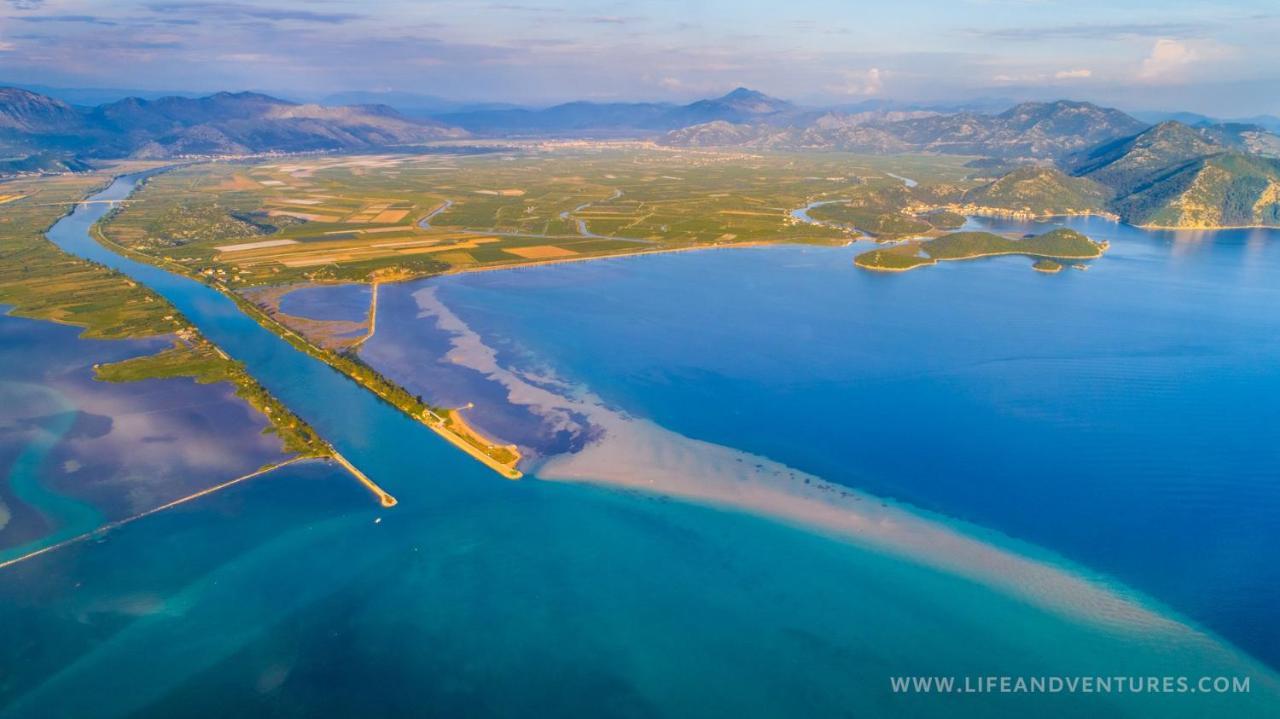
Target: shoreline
{"points": [[305, 345], [587, 258], [874, 526], [636, 455], [1002, 213], [459, 440], [935, 261], [1204, 228], [998, 213]]}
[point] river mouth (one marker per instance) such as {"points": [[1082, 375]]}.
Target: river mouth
{"points": [[620, 599]]}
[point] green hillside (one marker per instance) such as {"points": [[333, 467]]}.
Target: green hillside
{"points": [[1226, 190], [1129, 165], [1061, 243], [1178, 176], [1040, 191]]}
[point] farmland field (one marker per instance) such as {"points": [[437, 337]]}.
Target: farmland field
{"points": [[397, 216]]}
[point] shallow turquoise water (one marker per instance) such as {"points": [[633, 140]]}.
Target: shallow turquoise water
{"points": [[1119, 417], [476, 596], [67, 515], [76, 453]]}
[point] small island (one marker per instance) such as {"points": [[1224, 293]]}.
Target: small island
{"points": [[1059, 244], [1047, 266]]}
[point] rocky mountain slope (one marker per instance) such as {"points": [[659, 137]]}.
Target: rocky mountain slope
{"points": [[1033, 130], [1039, 191], [739, 106], [1228, 189], [1170, 175], [221, 124]]}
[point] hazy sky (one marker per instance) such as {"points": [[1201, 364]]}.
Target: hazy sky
{"points": [[1218, 58]]}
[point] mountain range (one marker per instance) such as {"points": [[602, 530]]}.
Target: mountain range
{"points": [[622, 118], [1170, 175], [1031, 130], [1175, 175], [220, 124], [1062, 156]]}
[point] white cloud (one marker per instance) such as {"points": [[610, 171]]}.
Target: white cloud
{"points": [[865, 82], [1077, 74], [1167, 60], [6, 46]]}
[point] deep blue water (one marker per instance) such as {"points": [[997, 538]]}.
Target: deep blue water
{"points": [[476, 596], [1122, 416]]}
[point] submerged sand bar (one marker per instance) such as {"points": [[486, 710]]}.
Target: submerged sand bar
{"points": [[639, 455]]}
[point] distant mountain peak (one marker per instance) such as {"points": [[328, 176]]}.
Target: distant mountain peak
{"points": [[744, 93], [736, 106], [1168, 129]]}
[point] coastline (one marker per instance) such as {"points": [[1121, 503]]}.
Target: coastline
{"points": [[459, 439], [516, 265], [1205, 228], [635, 455], [300, 342], [935, 261], [1006, 214], [999, 213], [877, 528], [384, 389]]}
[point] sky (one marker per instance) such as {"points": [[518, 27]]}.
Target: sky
{"points": [[1218, 58]]}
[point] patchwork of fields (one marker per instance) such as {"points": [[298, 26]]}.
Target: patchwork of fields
{"points": [[393, 216]]}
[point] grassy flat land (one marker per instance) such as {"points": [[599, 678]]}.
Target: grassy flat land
{"points": [[41, 281], [358, 218], [1056, 244]]}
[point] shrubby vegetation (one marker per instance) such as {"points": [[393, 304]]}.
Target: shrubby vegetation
{"points": [[1061, 243]]}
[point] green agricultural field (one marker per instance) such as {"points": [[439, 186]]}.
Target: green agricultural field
{"points": [[42, 282], [362, 217]]}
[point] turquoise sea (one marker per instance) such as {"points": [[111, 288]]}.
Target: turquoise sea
{"points": [[296, 595]]}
